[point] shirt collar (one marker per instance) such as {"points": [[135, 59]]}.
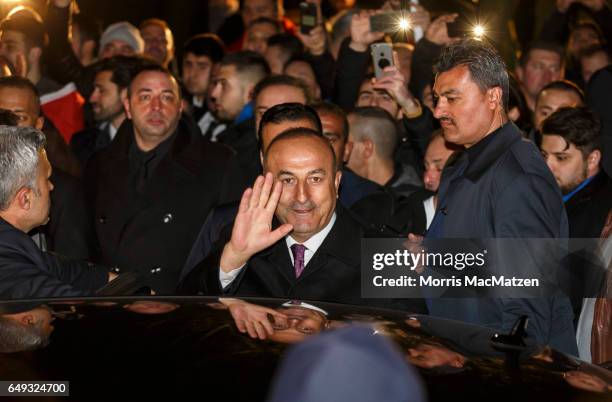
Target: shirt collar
{"points": [[582, 185], [317, 239]]}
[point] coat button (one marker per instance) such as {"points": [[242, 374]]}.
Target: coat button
{"points": [[168, 218], [102, 219]]}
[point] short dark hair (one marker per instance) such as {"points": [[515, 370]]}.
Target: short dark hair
{"points": [[247, 62], [22, 83], [333, 109], [152, 67], [123, 68], [541, 45], [564, 85], [290, 44], [276, 4], [486, 66], [288, 112], [301, 132], [206, 44], [279, 80], [32, 29], [8, 118], [266, 20], [576, 125]]}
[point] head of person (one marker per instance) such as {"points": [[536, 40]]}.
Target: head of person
{"points": [[436, 155], [301, 322], [85, 37], [404, 53], [121, 38], [300, 68], [158, 40], [556, 95], [200, 54], [154, 105], [258, 33], [540, 64], [25, 331], [303, 161], [233, 84], [283, 117], [282, 48], [571, 146], [20, 96], [25, 184], [336, 130], [22, 40], [277, 89], [370, 97], [432, 355], [112, 78], [373, 132], [593, 59], [470, 91], [583, 36], [250, 10]]}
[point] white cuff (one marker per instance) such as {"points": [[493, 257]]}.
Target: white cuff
{"points": [[226, 278]]}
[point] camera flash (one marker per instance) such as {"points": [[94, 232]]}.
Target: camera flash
{"points": [[479, 31], [404, 24]]}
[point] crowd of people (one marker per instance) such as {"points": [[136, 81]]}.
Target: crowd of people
{"points": [[253, 162]]}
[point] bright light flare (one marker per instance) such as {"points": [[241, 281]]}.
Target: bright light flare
{"points": [[478, 31], [403, 24]]}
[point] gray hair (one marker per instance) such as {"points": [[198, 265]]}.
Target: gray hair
{"points": [[486, 66], [19, 148], [15, 337]]}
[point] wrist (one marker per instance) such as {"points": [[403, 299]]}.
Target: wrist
{"points": [[411, 108], [230, 259]]}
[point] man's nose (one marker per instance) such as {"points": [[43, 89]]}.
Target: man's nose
{"points": [[156, 103], [439, 109], [301, 192]]}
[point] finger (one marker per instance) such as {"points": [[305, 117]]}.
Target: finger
{"points": [[261, 332], [280, 232], [274, 197], [251, 329], [396, 61], [256, 192], [244, 201], [267, 326], [240, 325], [265, 190]]}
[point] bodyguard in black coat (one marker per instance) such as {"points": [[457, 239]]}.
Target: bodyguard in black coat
{"points": [[149, 205]]}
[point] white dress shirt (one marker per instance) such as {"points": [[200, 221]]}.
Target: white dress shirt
{"points": [[312, 245], [430, 210]]}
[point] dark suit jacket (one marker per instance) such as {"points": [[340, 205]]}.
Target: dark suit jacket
{"points": [[27, 272], [241, 138], [332, 275], [156, 235], [69, 231], [587, 209], [88, 141], [505, 191]]}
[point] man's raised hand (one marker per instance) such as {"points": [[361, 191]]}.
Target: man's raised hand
{"points": [[253, 225]]}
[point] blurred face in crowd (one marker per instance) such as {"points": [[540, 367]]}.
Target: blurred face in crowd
{"points": [[13, 46], [230, 93], [567, 163], [582, 38], [257, 37], [590, 65], [276, 59], [154, 106], [106, 99], [197, 73], [466, 113], [158, 43], [116, 48], [303, 71], [436, 156], [24, 104], [38, 317], [300, 323], [276, 95], [541, 68], [253, 9], [305, 167], [369, 96], [332, 130], [552, 99]]}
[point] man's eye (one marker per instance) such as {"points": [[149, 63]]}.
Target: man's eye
{"points": [[287, 180], [144, 97], [316, 179], [562, 158]]}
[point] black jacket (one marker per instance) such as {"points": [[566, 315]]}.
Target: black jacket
{"points": [[88, 141], [587, 209], [241, 138], [333, 274], [26, 272], [598, 99], [157, 234], [503, 189]]}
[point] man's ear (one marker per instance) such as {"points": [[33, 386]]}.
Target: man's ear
{"points": [[126, 103], [40, 122], [348, 148], [27, 319], [34, 56], [494, 97], [368, 148], [593, 162], [24, 198], [337, 181]]}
